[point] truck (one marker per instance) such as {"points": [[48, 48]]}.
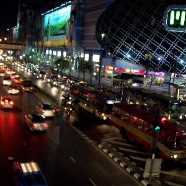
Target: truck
{"points": [[27, 85], [28, 174]]}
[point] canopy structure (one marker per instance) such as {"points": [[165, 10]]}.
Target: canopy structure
{"points": [[134, 31]]}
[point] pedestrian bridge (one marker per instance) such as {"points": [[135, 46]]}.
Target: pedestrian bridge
{"points": [[11, 46]]}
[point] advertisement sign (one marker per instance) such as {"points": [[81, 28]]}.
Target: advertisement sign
{"points": [[56, 24], [133, 71]]}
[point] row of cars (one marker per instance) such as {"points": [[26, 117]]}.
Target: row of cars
{"points": [[37, 120]]}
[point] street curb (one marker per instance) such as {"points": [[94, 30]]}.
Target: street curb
{"points": [[124, 165]]}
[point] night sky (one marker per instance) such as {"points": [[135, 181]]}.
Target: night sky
{"points": [[8, 15]]}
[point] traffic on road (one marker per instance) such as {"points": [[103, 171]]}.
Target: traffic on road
{"points": [[89, 110]]}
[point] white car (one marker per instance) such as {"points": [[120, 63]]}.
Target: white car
{"points": [[6, 80], [45, 109], [6, 103], [36, 122], [13, 89]]}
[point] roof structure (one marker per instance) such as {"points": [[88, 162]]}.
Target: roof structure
{"points": [[134, 31]]}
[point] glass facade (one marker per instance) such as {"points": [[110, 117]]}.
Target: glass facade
{"points": [[134, 31]]}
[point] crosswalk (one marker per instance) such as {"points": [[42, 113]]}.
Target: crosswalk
{"points": [[138, 156]]}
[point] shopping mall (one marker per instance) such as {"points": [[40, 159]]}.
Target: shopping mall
{"points": [[122, 39]]}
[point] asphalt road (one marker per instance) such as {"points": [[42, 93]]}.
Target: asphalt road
{"points": [[62, 154], [171, 173]]}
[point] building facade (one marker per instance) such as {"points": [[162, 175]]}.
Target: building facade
{"points": [[107, 34]]}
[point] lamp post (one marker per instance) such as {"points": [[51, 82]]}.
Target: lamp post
{"points": [[100, 63]]}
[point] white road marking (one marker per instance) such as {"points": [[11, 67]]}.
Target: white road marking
{"points": [[129, 150], [24, 143], [120, 143], [72, 159], [10, 158], [92, 182], [173, 184], [113, 139], [172, 174], [137, 158]]}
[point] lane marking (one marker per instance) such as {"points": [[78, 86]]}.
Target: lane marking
{"points": [[24, 143], [120, 143], [129, 150], [173, 184], [172, 174], [92, 182], [138, 158], [72, 159], [115, 138]]}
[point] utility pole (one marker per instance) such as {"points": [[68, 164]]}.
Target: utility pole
{"points": [[155, 142]]}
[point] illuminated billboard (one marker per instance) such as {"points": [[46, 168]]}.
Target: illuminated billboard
{"points": [[56, 25]]}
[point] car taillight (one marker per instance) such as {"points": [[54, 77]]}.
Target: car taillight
{"points": [[11, 102], [6, 101], [53, 111], [35, 125], [45, 125], [2, 102]]}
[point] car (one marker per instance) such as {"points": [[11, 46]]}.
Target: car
{"points": [[41, 74], [6, 80], [36, 122], [28, 173], [6, 103], [2, 72], [17, 80], [13, 89], [45, 109]]}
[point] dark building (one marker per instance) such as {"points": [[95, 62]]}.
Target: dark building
{"points": [[134, 31]]}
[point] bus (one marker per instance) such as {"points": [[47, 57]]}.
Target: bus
{"points": [[94, 101], [169, 106], [137, 124]]}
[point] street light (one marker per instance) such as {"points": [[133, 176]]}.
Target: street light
{"points": [[100, 63]]}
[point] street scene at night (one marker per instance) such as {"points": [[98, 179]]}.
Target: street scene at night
{"points": [[93, 93]]}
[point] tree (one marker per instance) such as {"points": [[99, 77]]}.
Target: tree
{"points": [[84, 67], [62, 64]]}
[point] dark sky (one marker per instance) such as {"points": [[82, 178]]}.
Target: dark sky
{"points": [[8, 15]]}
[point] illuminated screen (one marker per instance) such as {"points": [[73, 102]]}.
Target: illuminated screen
{"points": [[56, 24], [175, 18]]}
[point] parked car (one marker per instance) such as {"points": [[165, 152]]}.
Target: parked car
{"points": [[13, 89], [45, 109], [36, 122], [6, 103]]}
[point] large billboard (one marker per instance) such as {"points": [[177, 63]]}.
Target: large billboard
{"points": [[56, 25]]}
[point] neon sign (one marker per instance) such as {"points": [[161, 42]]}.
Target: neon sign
{"points": [[175, 18]]}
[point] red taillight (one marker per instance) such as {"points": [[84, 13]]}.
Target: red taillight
{"points": [[2, 102], [11, 102], [163, 120], [45, 125], [53, 111], [35, 125]]}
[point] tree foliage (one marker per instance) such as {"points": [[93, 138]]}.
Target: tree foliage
{"points": [[84, 67], [62, 63]]}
